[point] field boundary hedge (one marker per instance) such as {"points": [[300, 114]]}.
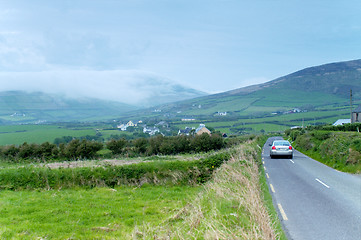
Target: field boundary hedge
{"points": [[157, 172]]}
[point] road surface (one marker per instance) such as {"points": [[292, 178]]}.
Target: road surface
{"points": [[313, 200]]}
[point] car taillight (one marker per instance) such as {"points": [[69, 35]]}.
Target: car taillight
{"points": [[290, 147], [274, 148]]}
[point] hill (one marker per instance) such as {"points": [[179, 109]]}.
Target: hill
{"points": [[38, 107], [313, 95]]}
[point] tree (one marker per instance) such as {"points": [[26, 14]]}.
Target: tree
{"points": [[117, 146], [141, 145]]}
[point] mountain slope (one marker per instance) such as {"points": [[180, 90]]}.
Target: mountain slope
{"points": [[23, 107], [330, 83], [317, 94], [334, 78]]}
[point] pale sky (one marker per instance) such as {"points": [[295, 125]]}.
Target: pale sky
{"points": [[97, 46]]}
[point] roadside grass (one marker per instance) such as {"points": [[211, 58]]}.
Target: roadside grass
{"points": [[235, 204], [339, 150], [99, 213]]}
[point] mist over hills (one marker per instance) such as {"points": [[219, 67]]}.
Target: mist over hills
{"points": [[40, 107], [326, 86], [138, 88]]}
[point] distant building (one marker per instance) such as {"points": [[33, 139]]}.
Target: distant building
{"points": [[122, 127], [356, 115], [151, 130], [202, 129], [222, 113], [341, 122], [188, 119], [186, 131], [131, 124]]}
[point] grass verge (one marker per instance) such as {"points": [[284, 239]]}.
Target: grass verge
{"points": [[232, 205]]}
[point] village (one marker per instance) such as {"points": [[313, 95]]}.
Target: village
{"points": [[162, 125]]}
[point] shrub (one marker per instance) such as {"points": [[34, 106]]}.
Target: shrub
{"points": [[321, 135], [356, 144], [117, 145], [141, 145], [304, 142]]}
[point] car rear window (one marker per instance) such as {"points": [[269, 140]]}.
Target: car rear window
{"points": [[281, 143]]}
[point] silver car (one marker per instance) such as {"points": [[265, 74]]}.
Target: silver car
{"points": [[281, 148]]}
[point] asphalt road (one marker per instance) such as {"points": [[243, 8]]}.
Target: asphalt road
{"points": [[314, 201]]}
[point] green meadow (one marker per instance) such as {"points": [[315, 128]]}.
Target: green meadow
{"points": [[18, 134], [102, 213]]}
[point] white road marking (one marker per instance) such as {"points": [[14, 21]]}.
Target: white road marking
{"points": [[292, 161], [267, 175], [284, 216], [264, 168], [263, 162], [272, 189], [324, 184]]}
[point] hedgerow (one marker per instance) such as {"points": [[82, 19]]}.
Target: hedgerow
{"points": [[158, 172], [338, 149], [78, 149]]}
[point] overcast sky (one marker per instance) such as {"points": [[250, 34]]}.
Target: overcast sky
{"points": [[98, 46]]}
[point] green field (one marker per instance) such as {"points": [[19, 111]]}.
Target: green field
{"points": [[18, 134], [88, 213]]}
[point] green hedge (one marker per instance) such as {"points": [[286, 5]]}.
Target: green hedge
{"points": [[158, 172]]}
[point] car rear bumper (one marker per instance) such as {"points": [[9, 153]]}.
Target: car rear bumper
{"points": [[281, 153]]}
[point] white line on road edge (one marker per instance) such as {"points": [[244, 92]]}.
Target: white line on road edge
{"points": [[264, 168], [318, 180], [273, 190], [292, 161], [267, 175], [284, 216]]}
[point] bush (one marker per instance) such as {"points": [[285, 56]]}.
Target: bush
{"points": [[141, 145], [321, 135], [117, 145]]}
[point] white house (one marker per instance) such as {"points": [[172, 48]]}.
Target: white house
{"points": [[341, 122], [150, 130]]}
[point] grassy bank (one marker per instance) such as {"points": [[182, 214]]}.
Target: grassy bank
{"points": [[337, 149], [235, 204]]}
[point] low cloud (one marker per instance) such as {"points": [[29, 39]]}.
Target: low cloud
{"points": [[131, 86]]}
